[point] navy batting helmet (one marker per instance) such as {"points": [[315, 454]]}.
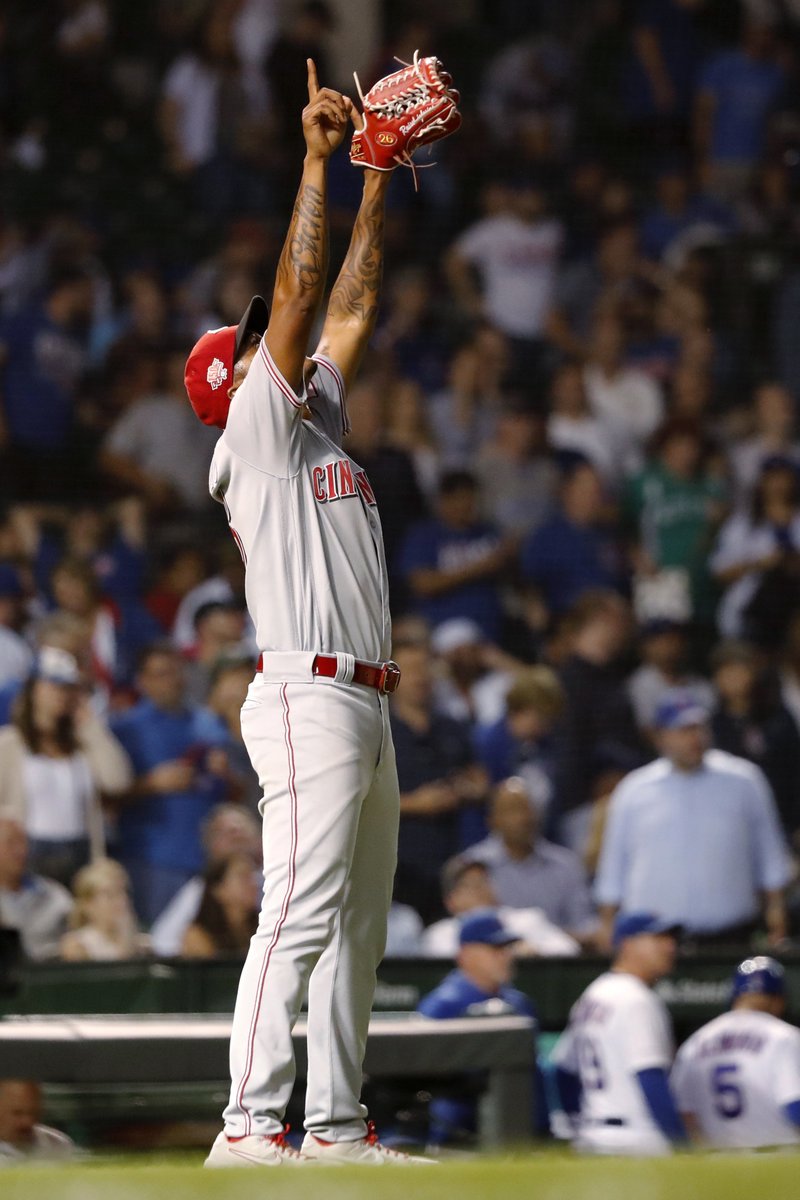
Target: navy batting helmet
{"points": [[762, 975]]}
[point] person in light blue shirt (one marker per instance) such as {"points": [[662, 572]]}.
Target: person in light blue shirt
{"points": [[695, 836]]}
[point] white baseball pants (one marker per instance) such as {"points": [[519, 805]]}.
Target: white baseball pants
{"points": [[325, 760]]}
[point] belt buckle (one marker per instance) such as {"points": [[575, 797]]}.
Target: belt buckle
{"points": [[389, 678]]}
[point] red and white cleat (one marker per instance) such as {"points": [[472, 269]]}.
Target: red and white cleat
{"points": [[366, 1151], [256, 1151]]}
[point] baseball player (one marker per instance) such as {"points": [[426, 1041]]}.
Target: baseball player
{"points": [[612, 1061], [315, 719], [737, 1080]]}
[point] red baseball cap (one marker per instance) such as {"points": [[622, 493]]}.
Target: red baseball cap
{"points": [[209, 367]]}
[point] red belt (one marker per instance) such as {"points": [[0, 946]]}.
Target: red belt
{"points": [[384, 677]]}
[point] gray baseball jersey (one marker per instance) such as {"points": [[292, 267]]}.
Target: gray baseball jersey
{"points": [[303, 515]]}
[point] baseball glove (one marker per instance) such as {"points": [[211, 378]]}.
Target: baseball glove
{"points": [[402, 112]]}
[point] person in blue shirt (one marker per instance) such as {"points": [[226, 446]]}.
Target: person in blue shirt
{"points": [[678, 209], [480, 984], [179, 757], [42, 361], [452, 563], [737, 92], [695, 836], [575, 550]]}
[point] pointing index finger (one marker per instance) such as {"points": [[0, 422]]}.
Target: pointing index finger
{"points": [[313, 85]]}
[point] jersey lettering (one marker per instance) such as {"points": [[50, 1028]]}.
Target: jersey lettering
{"points": [[728, 1095], [336, 481], [591, 1064], [365, 488]]}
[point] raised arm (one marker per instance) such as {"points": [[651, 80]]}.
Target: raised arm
{"points": [[303, 265], [353, 304]]}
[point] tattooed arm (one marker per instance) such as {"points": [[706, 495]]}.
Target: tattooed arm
{"points": [[353, 304], [303, 265]]}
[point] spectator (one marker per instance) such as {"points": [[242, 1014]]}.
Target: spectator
{"points": [[407, 429], [773, 437], [751, 722], [481, 981], [178, 755], [58, 760], [76, 591], [475, 675], [452, 562], [411, 328], [438, 776], [36, 907], [103, 925], [680, 217], [16, 657], [756, 559], [611, 274], [526, 871], [230, 681], [42, 362], [464, 413], [228, 831], [400, 497], [219, 630], [228, 913], [672, 509], [23, 1138], [225, 585], [204, 112], [572, 428], [664, 653], [466, 887], [178, 573], [737, 92], [520, 742], [517, 475], [597, 714], [576, 549], [659, 83], [515, 252], [623, 398], [304, 37], [696, 837], [157, 449]]}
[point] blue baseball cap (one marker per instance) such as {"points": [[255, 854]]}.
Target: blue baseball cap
{"points": [[483, 925], [632, 924], [760, 975], [680, 708]]}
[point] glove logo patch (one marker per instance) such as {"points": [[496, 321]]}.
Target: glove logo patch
{"points": [[216, 374], [386, 139]]}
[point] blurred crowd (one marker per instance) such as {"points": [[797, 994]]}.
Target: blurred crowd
{"points": [[579, 416]]}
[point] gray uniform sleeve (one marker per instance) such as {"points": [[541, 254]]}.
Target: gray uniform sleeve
{"points": [[325, 395], [264, 419]]}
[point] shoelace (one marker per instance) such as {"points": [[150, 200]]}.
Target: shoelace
{"points": [[372, 1139], [279, 1140]]}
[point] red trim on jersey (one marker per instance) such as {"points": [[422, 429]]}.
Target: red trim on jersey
{"points": [[276, 933], [340, 389], [277, 377]]}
